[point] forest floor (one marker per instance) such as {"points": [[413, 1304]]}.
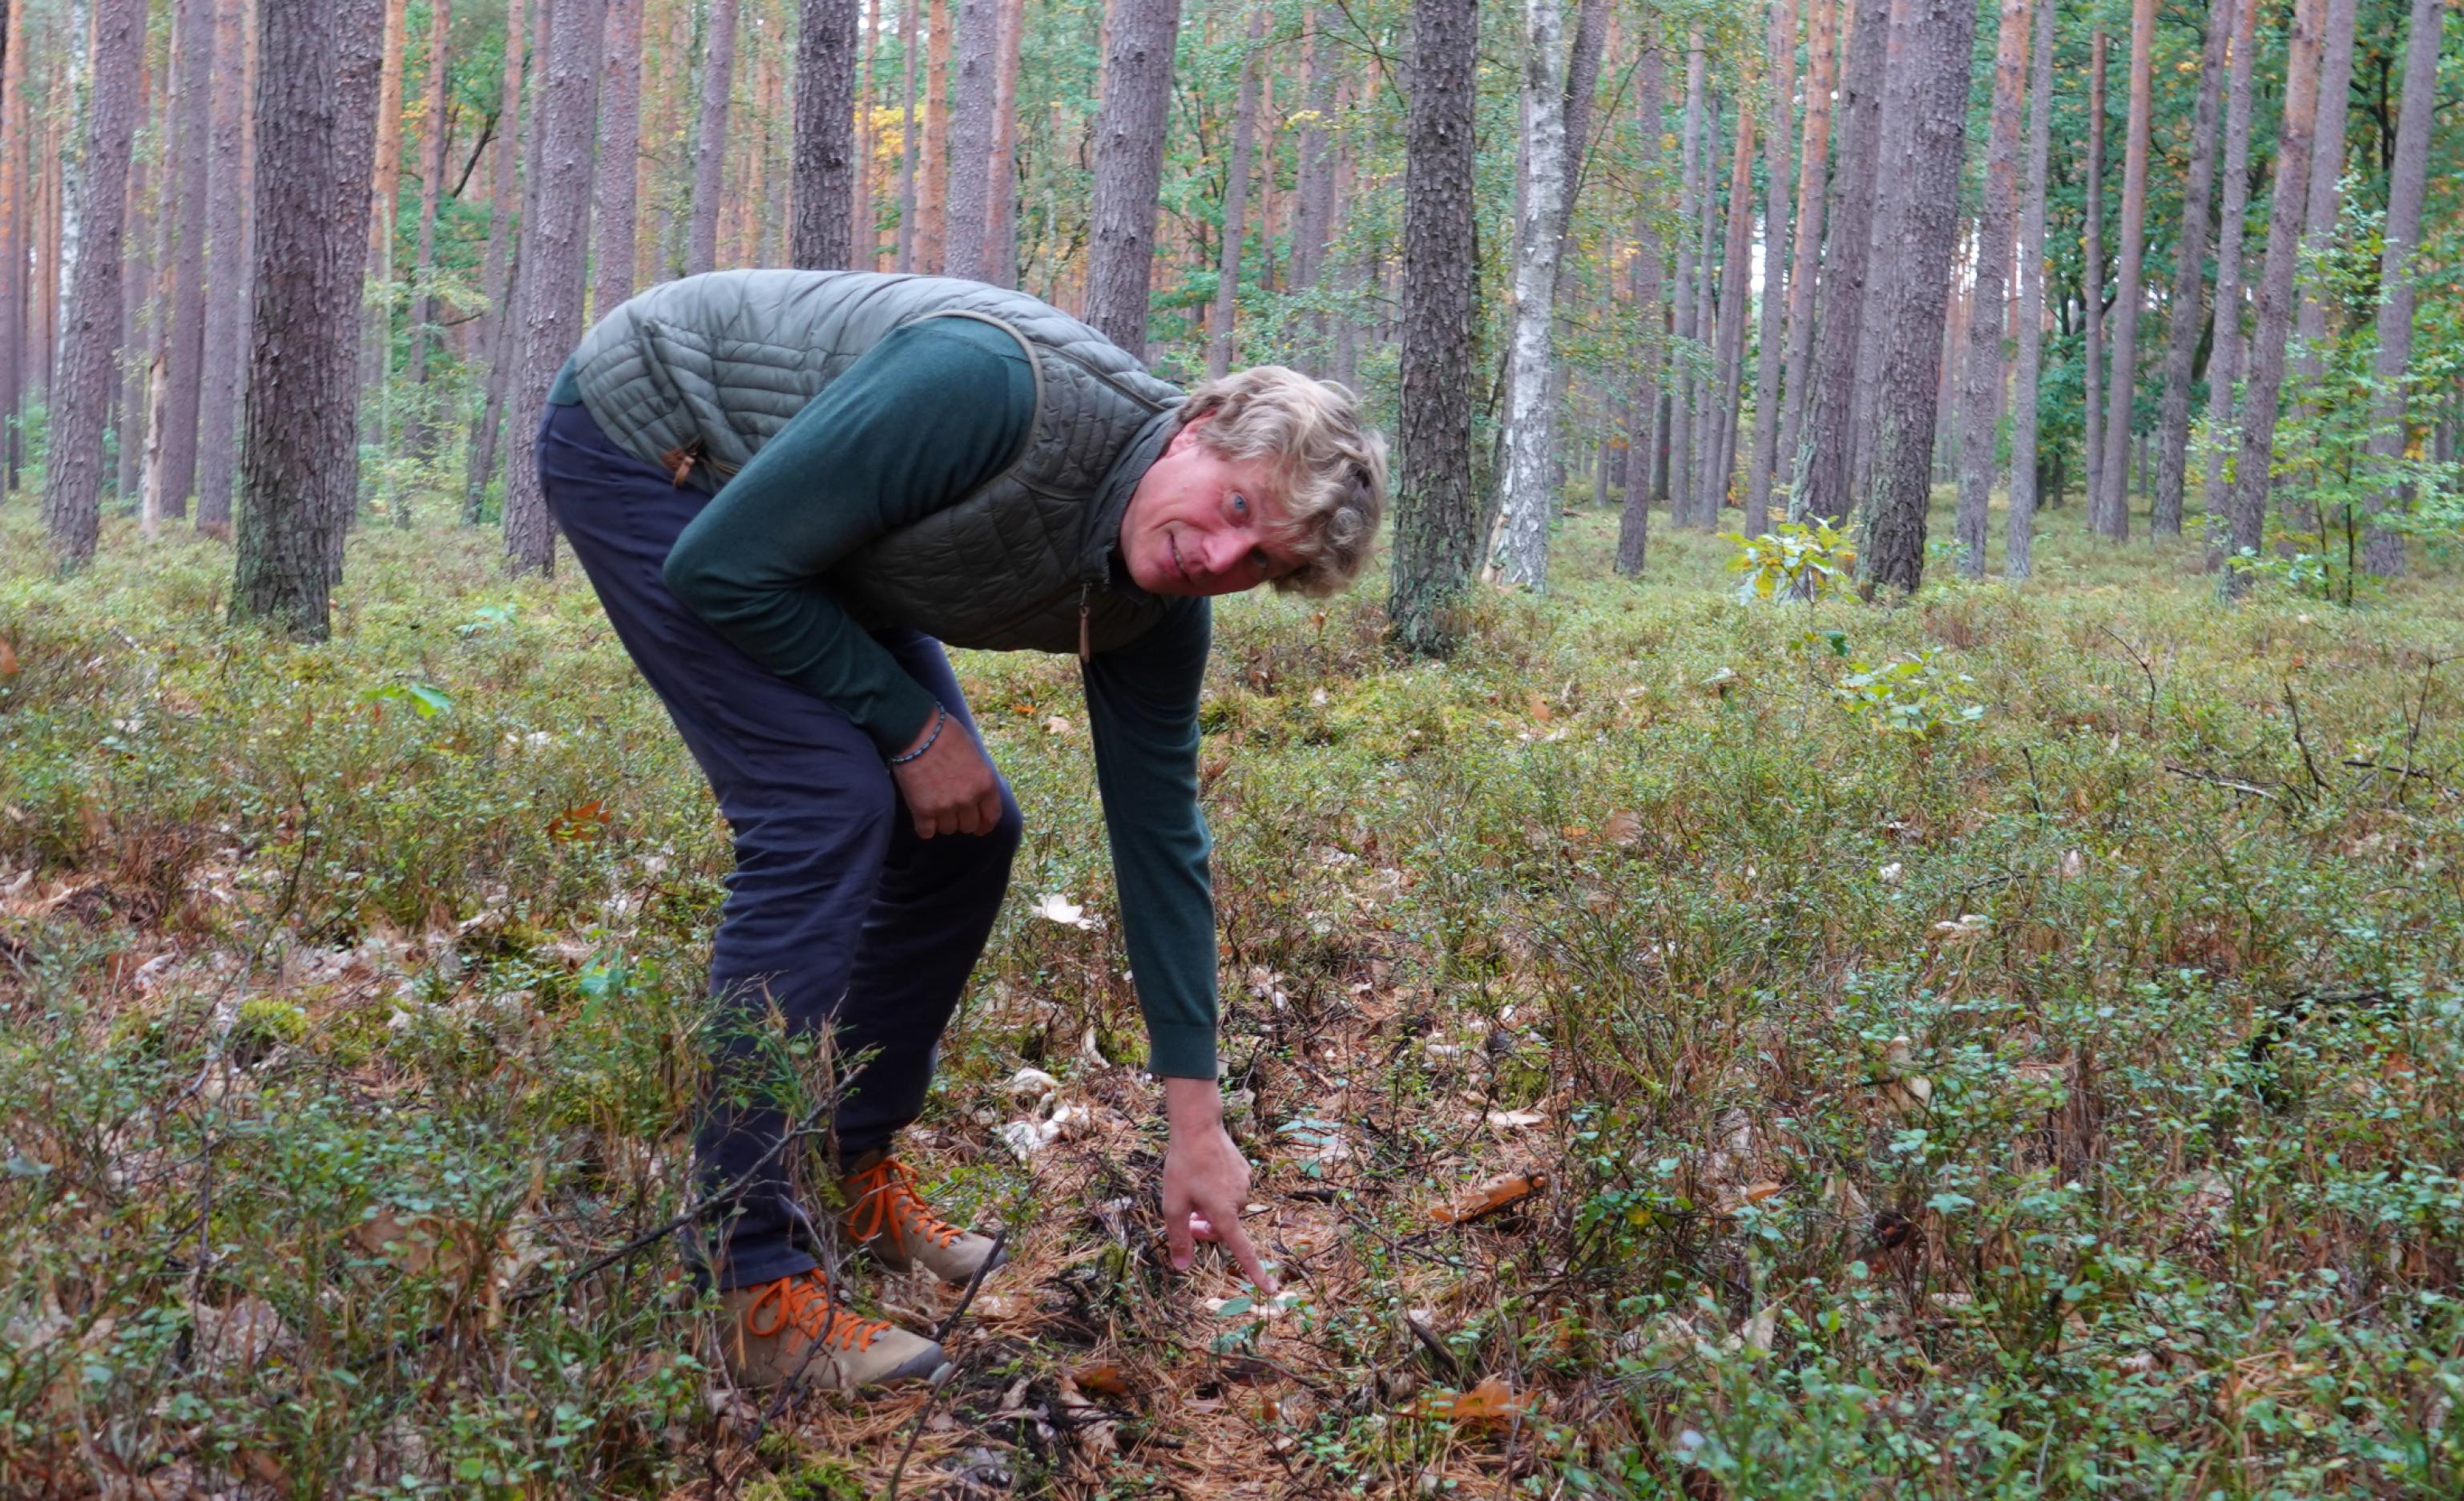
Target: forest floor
{"points": [[2009, 1043]]}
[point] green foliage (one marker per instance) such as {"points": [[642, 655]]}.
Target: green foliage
{"points": [[1914, 695], [1808, 561]]}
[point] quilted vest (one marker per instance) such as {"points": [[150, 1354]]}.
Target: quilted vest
{"points": [[708, 368]]}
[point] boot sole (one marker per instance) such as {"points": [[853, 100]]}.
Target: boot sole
{"points": [[889, 1261]]}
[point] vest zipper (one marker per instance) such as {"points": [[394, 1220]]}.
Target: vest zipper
{"points": [[1084, 652]]}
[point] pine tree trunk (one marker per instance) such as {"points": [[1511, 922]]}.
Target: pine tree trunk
{"points": [[385, 188], [2225, 356], [2111, 515], [614, 210], [1886, 274], [1129, 168], [1716, 461], [129, 429], [2327, 167], [1530, 423], [1634, 517], [1821, 45], [909, 149], [968, 204], [1692, 181], [2189, 257], [2407, 185], [299, 417], [2092, 284], [1236, 203], [226, 268], [13, 189], [1001, 226], [1314, 210], [72, 476], [825, 233], [514, 145], [553, 266], [932, 245], [2018, 559], [1824, 452], [1984, 343], [184, 347], [419, 428], [1925, 219], [2252, 479], [710, 137], [1435, 505], [1776, 255]]}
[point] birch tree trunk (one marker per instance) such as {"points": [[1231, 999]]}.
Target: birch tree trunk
{"points": [[298, 463], [2407, 185], [2092, 284], [1435, 507], [1941, 39], [1823, 456], [1129, 168], [72, 476], [1776, 255], [1822, 44], [614, 212], [2225, 356], [1984, 352], [968, 204], [1236, 202], [2018, 546], [2190, 260], [1634, 517], [710, 137], [1530, 423], [2252, 465], [2111, 514], [227, 292]]}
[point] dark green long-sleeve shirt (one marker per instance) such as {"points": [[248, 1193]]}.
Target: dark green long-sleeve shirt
{"points": [[858, 462]]}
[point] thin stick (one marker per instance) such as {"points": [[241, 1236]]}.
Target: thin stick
{"points": [[941, 1379]]}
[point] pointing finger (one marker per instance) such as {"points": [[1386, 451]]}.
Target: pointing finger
{"points": [[1237, 1240]]}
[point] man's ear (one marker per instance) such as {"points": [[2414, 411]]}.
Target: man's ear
{"points": [[1184, 435]]}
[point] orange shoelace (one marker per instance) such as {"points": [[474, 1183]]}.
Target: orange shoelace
{"points": [[801, 1300], [886, 1199]]}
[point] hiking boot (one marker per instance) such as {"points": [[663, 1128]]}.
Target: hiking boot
{"points": [[793, 1329], [889, 1218]]}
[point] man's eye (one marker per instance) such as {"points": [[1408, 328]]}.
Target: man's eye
{"points": [[1259, 562], [1239, 505]]}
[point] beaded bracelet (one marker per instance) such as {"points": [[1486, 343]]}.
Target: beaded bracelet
{"points": [[938, 724]]}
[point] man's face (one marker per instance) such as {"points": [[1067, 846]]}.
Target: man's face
{"points": [[1196, 522]]}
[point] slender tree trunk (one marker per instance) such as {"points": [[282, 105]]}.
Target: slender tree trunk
{"points": [[908, 147], [1699, 433], [1717, 461], [1436, 508], [2019, 547], [1129, 168], [1941, 46], [824, 233], [384, 190], [226, 268], [2111, 514], [1886, 274], [1583, 83], [514, 145], [134, 282], [2092, 284], [1634, 517], [1984, 351], [1313, 213], [1531, 426], [420, 430], [1823, 454], [1000, 229], [13, 189], [1821, 45], [2326, 168], [1776, 255], [2406, 186], [1691, 185], [184, 347], [1236, 202], [299, 416], [968, 204], [932, 249], [73, 476], [710, 137], [2252, 476], [553, 267], [2224, 358], [2190, 257], [614, 215]]}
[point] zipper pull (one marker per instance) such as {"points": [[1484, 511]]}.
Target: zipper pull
{"points": [[1086, 652]]}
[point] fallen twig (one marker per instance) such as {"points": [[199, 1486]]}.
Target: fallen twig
{"points": [[942, 1378]]}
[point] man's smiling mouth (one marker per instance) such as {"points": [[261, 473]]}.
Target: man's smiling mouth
{"points": [[1174, 543]]}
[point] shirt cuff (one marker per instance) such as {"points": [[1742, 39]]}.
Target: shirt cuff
{"points": [[1180, 1051], [905, 709]]}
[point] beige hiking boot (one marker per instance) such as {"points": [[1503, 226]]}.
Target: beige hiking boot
{"points": [[889, 1218], [793, 1329]]}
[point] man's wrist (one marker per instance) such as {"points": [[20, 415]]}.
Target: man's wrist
{"points": [[1191, 1103]]}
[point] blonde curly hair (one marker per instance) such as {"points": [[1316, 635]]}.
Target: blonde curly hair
{"points": [[1330, 465]]}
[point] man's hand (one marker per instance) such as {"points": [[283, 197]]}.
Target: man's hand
{"points": [[1205, 1179], [951, 788]]}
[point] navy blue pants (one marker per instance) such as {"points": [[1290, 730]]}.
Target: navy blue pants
{"points": [[837, 912]]}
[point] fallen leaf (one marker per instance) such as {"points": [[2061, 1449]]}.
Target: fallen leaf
{"points": [[1104, 1380], [1487, 1198], [1515, 1119], [1904, 1090], [417, 1242], [1538, 707], [1056, 725], [580, 822], [1756, 1193], [8, 658], [1489, 1404], [1060, 909], [1622, 829]]}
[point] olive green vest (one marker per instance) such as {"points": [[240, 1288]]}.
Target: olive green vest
{"points": [[695, 375]]}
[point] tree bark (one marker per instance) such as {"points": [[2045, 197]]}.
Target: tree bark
{"points": [[1691, 182], [2092, 284], [710, 137], [614, 212], [384, 189], [227, 292], [1236, 203], [299, 417], [2224, 358], [1776, 255], [1886, 274], [1821, 45], [969, 203], [1001, 226], [1129, 168], [2407, 185], [907, 146], [72, 476], [824, 233], [134, 328], [551, 276], [1716, 463], [1634, 517], [2111, 514], [1984, 352], [419, 431], [2327, 167], [1530, 425], [2018, 557], [518, 140], [184, 345], [2189, 257], [2252, 476], [931, 245], [1927, 222], [1435, 507], [1824, 452]]}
